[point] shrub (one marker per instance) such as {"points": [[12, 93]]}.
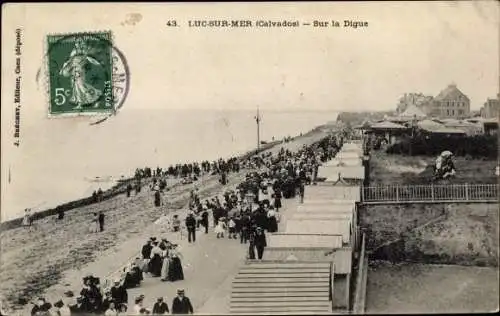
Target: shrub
{"points": [[478, 146]]}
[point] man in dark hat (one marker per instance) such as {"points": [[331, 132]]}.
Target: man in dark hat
{"points": [[191, 227], [146, 254], [101, 221], [160, 307], [204, 219], [260, 242], [181, 304], [119, 293]]}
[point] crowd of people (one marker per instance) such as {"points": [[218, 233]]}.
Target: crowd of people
{"points": [[252, 209], [245, 214], [104, 300], [195, 169], [113, 304]]}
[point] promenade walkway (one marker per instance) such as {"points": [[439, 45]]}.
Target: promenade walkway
{"points": [[210, 265]]}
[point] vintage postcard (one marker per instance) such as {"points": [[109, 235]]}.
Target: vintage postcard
{"points": [[249, 158]]}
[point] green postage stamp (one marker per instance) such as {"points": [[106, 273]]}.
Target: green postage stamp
{"points": [[80, 73]]}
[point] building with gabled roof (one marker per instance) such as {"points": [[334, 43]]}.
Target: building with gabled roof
{"points": [[450, 103], [491, 108], [418, 100], [412, 111]]}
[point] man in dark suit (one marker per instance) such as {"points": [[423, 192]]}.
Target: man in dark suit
{"points": [[101, 221], [119, 293], [181, 304], [191, 227], [204, 220], [260, 242], [160, 307]]}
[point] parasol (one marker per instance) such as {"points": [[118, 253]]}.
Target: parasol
{"points": [[446, 153]]}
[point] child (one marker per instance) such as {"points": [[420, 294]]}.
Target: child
{"points": [[220, 228], [232, 228], [176, 223]]}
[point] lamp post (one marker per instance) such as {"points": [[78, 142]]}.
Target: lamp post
{"points": [[257, 120], [413, 123]]}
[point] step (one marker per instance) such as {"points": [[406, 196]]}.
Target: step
{"points": [[282, 290], [322, 298], [282, 313], [272, 310], [282, 280], [264, 304], [257, 295], [291, 284], [280, 270], [298, 274], [285, 265]]}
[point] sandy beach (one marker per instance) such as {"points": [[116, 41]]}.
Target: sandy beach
{"points": [[55, 256]]}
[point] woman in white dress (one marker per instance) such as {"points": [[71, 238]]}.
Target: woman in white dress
{"points": [[27, 218], [166, 263], [94, 225], [220, 228]]}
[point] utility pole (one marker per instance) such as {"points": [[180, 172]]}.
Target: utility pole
{"points": [[257, 119]]}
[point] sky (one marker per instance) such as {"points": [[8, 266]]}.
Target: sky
{"points": [[406, 47]]}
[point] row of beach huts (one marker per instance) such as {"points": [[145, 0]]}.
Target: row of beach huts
{"points": [[316, 263]]}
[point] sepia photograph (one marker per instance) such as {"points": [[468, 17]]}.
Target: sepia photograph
{"points": [[249, 158]]}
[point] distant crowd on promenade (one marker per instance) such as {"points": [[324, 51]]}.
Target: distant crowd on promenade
{"points": [[244, 214]]}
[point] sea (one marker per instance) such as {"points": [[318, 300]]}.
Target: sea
{"points": [[66, 159]]}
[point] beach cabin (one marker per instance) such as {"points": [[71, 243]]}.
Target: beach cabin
{"points": [[348, 155], [342, 226], [333, 173], [342, 190], [356, 147], [328, 217], [330, 206], [331, 191], [350, 162], [327, 210], [286, 247]]}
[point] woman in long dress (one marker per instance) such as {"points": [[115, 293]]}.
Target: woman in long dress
{"points": [[166, 263], [220, 228], [27, 221], [272, 223], [156, 261], [175, 271], [94, 225]]}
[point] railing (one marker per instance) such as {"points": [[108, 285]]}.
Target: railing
{"points": [[430, 193]]}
